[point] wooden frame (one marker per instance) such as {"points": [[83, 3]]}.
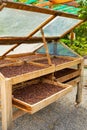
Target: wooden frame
{"points": [[29, 39], [71, 62], [37, 106], [37, 9], [34, 74], [6, 103], [70, 74]]}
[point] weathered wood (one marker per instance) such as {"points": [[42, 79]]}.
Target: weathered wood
{"points": [[6, 104], [80, 84], [24, 40], [46, 48]]}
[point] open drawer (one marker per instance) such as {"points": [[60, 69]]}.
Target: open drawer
{"points": [[67, 74], [37, 95]]}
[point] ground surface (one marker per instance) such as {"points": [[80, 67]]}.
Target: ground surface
{"points": [[61, 115]]}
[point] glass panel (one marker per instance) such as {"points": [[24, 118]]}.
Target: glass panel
{"points": [[57, 49], [14, 22], [58, 26], [23, 48]]}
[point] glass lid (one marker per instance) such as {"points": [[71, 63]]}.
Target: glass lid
{"points": [[59, 26], [15, 22]]}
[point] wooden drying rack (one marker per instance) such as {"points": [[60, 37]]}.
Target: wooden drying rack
{"points": [[48, 70]]}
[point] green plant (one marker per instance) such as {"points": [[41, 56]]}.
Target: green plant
{"points": [[83, 9], [80, 43]]}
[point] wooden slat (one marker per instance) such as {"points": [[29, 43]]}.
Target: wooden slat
{"points": [[41, 26], [80, 84], [11, 49], [17, 63], [32, 75], [46, 48], [71, 50], [18, 40], [68, 64], [79, 23], [0, 107], [22, 6], [16, 56], [57, 83], [37, 64], [69, 76]]}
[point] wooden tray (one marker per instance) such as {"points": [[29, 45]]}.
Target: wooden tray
{"points": [[60, 62], [25, 71], [34, 97], [67, 74]]}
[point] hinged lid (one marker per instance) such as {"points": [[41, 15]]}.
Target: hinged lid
{"points": [[19, 22]]}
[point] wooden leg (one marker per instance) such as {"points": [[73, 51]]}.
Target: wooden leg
{"points": [[6, 104], [80, 85], [79, 93]]}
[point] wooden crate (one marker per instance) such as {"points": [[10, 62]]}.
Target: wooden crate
{"points": [[42, 93]]}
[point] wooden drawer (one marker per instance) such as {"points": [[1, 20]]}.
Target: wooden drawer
{"points": [[34, 97], [67, 74]]}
